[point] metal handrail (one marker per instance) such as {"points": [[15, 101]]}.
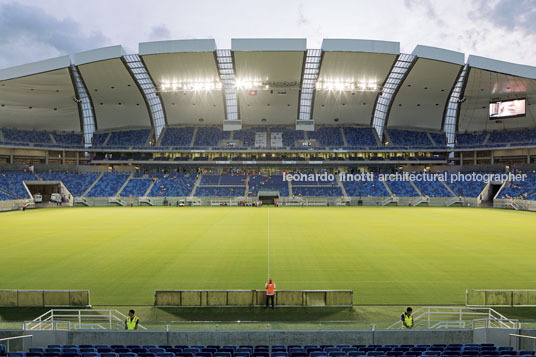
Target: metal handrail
{"points": [[111, 316], [425, 314], [8, 339], [521, 336]]}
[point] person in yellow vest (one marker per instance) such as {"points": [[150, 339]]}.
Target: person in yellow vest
{"points": [[407, 319], [132, 321], [270, 292]]}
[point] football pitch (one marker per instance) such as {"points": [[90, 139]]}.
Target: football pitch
{"points": [[387, 255]]}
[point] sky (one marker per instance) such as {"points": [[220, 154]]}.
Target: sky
{"points": [[41, 29]]}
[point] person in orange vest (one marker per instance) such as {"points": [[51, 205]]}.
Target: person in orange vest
{"points": [[270, 292]]}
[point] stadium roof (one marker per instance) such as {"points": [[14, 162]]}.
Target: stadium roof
{"points": [[267, 76]]}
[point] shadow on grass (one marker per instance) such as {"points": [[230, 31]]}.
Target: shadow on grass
{"points": [[290, 314]]}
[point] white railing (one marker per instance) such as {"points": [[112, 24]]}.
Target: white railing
{"points": [[66, 319], [518, 338], [434, 317], [7, 340]]}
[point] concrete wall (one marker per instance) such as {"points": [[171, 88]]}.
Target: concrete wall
{"points": [[501, 298], [44, 298], [252, 297], [497, 336]]}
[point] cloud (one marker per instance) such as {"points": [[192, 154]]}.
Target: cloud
{"points": [[427, 7], [29, 34], [160, 32], [509, 14]]}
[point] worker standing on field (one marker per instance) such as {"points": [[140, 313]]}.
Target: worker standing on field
{"points": [[407, 319], [270, 292], [132, 321]]}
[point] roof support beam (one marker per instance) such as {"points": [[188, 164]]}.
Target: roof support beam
{"points": [[227, 76], [391, 86], [310, 74], [85, 106], [148, 89], [452, 111]]}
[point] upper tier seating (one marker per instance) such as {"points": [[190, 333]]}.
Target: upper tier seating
{"points": [[270, 183], [374, 188], [26, 136], [137, 137], [513, 136], [68, 139], [247, 136], [210, 136], [470, 139], [76, 183], [402, 188], [136, 187], [108, 184], [327, 136], [181, 137], [173, 185], [360, 137], [290, 136], [440, 139], [408, 138], [99, 139], [12, 183]]}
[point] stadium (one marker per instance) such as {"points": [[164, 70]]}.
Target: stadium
{"points": [[178, 179]]}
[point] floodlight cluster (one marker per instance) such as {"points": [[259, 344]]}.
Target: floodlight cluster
{"points": [[190, 86], [350, 86]]}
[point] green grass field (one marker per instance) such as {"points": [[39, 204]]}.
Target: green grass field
{"points": [[387, 255]]}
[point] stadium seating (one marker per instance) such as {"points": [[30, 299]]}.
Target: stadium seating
{"points": [[360, 137], [261, 181], [513, 136], [374, 188], [525, 189], [173, 185], [210, 136], [11, 182], [339, 350], [470, 140], [465, 188], [99, 139], [127, 138], [402, 188], [439, 139], [433, 188], [26, 136], [136, 187], [220, 191], [247, 136], [290, 136], [178, 137], [108, 184], [327, 136], [76, 183], [409, 138], [317, 191], [68, 139]]}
